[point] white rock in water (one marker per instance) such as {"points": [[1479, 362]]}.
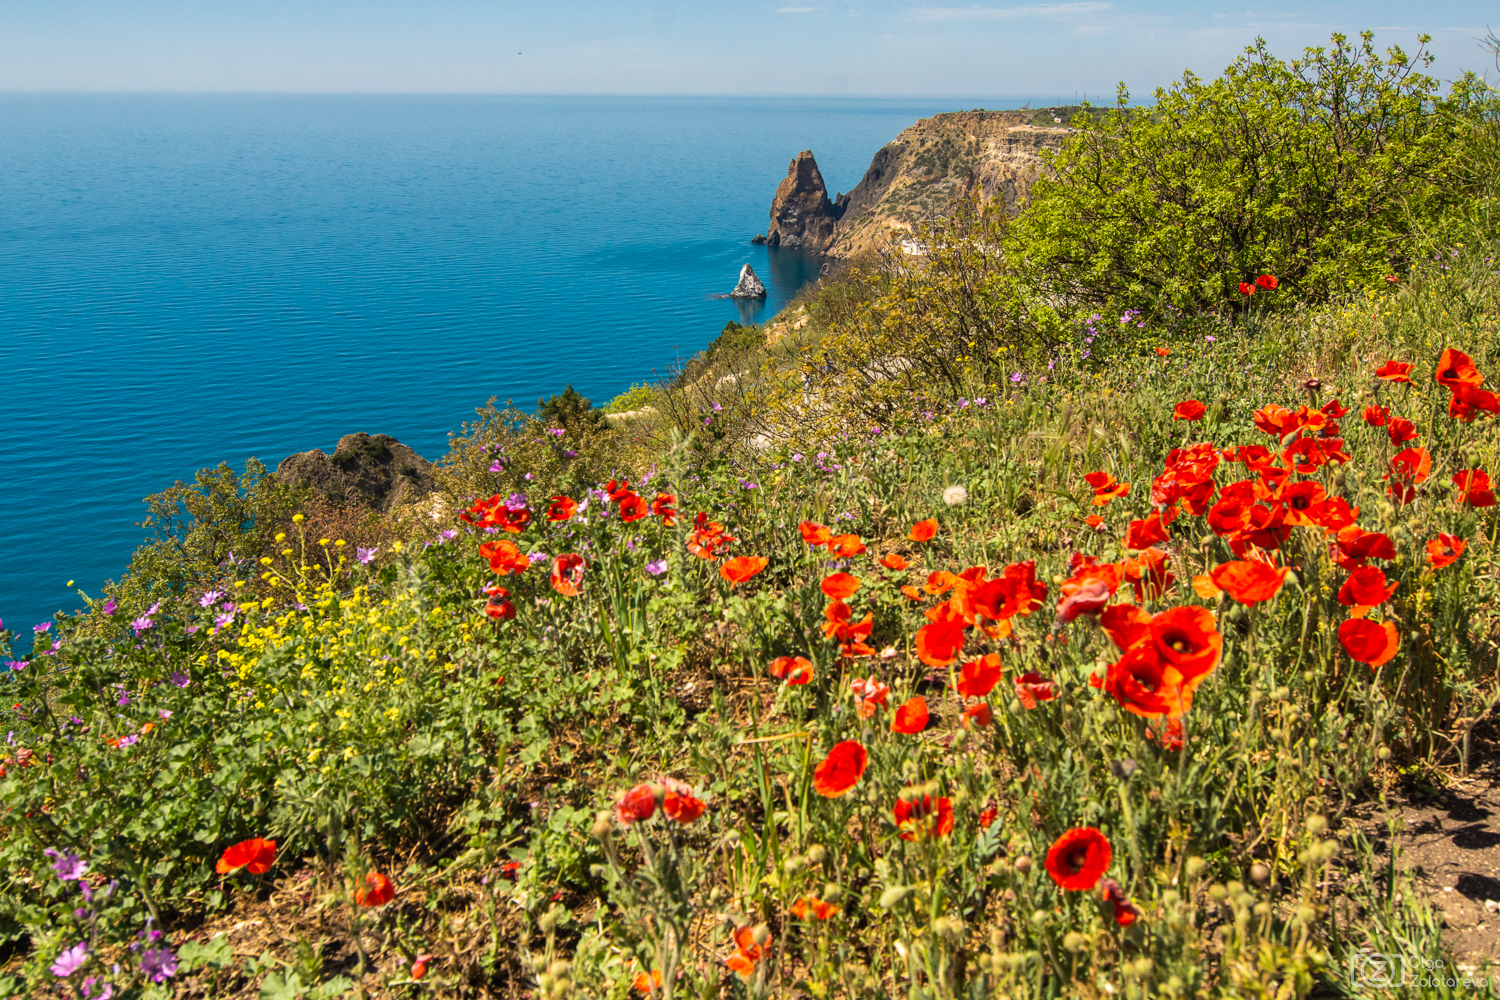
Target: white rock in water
{"points": [[749, 286]]}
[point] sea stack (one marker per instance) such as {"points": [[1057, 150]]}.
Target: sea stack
{"points": [[802, 216], [750, 286]]}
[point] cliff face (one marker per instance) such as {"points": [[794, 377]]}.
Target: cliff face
{"points": [[802, 216], [926, 170]]}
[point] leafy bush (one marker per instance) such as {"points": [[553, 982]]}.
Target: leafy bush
{"points": [[1318, 171]]}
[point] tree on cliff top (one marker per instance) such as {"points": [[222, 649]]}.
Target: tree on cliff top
{"points": [[1317, 170]]}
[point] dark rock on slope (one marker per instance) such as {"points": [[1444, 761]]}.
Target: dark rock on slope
{"points": [[373, 471]]}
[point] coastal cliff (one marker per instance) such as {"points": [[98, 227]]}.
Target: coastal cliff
{"points": [[917, 176]]}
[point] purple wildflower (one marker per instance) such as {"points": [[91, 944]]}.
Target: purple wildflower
{"points": [[105, 993], [210, 598], [447, 536], [41, 627], [71, 960], [69, 867], [516, 501], [537, 557], [130, 740], [165, 713], [224, 620], [17, 664], [124, 698], [179, 679], [141, 624], [158, 964], [364, 555], [110, 607], [497, 466], [657, 568]]}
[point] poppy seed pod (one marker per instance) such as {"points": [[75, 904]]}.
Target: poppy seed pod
{"points": [[1260, 874]]}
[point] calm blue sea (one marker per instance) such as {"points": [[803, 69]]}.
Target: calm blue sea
{"points": [[186, 280]]}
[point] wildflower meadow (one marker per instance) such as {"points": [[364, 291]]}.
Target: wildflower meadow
{"points": [[1092, 674]]}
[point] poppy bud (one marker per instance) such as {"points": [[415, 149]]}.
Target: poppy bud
{"points": [[1260, 874], [832, 893], [1195, 867], [816, 853], [1218, 893], [761, 934], [1074, 941], [1023, 864], [603, 823]]}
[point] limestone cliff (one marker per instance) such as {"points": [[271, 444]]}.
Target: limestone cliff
{"points": [[802, 216], [920, 176]]}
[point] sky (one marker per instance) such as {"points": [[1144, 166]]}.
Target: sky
{"points": [[815, 48]]}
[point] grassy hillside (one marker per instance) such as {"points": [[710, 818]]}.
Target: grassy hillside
{"points": [[966, 640]]}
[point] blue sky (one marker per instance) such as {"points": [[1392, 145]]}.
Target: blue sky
{"points": [[746, 47]]}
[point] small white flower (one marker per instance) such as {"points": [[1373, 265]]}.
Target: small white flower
{"points": [[955, 496]]}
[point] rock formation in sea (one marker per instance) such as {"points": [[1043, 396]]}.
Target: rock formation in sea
{"points": [[369, 470], [918, 176], [802, 216], [749, 287]]}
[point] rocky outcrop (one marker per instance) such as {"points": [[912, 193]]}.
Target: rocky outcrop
{"points": [[750, 287], [921, 175], [802, 216], [366, 470]]}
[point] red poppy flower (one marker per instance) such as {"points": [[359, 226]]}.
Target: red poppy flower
{"points": [[923, 531], [1142, 534], [939, 641], [912, 592], [664, 507], [1395, 371], [1105, 487], [910, 718], [1126, 624], [1369, 642], [1267, 281], [1094, 521], [1143, 685], [567, 574], [839, 586], [1355, 546], [1032, 689], [707, 537], [1365, 588], [939, 582], [1246, 288], [1456, 368], [1171, 736], [1407, 469], [1444, 550], [561, 508], [617, 489], [680, 805], [792, 669], [1467, 401], [987, 817], [377, 891], [1162, 352], [1189, 409], [812, 908], [840, 770], [255, 856], [504, 557], [645, 983], [747, 952], [923, 817], [509, 519], [1474, 488], [741, 568], [1125, 911], [977, 715], [636, 805], [814, 533], [846, 546], [894, 561], [978, 678], [1187, 639], [1401, 430], [1249, 581], [633, 508], [1079, 858], [497, 605], [1376, 416]]}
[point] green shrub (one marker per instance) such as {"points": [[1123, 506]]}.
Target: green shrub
{"points": [[1318, 171]]}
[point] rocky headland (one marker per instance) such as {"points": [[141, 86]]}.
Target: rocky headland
{"points": [[920, 175]]}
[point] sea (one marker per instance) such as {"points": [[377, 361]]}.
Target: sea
{"points": [[187, 280]]}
